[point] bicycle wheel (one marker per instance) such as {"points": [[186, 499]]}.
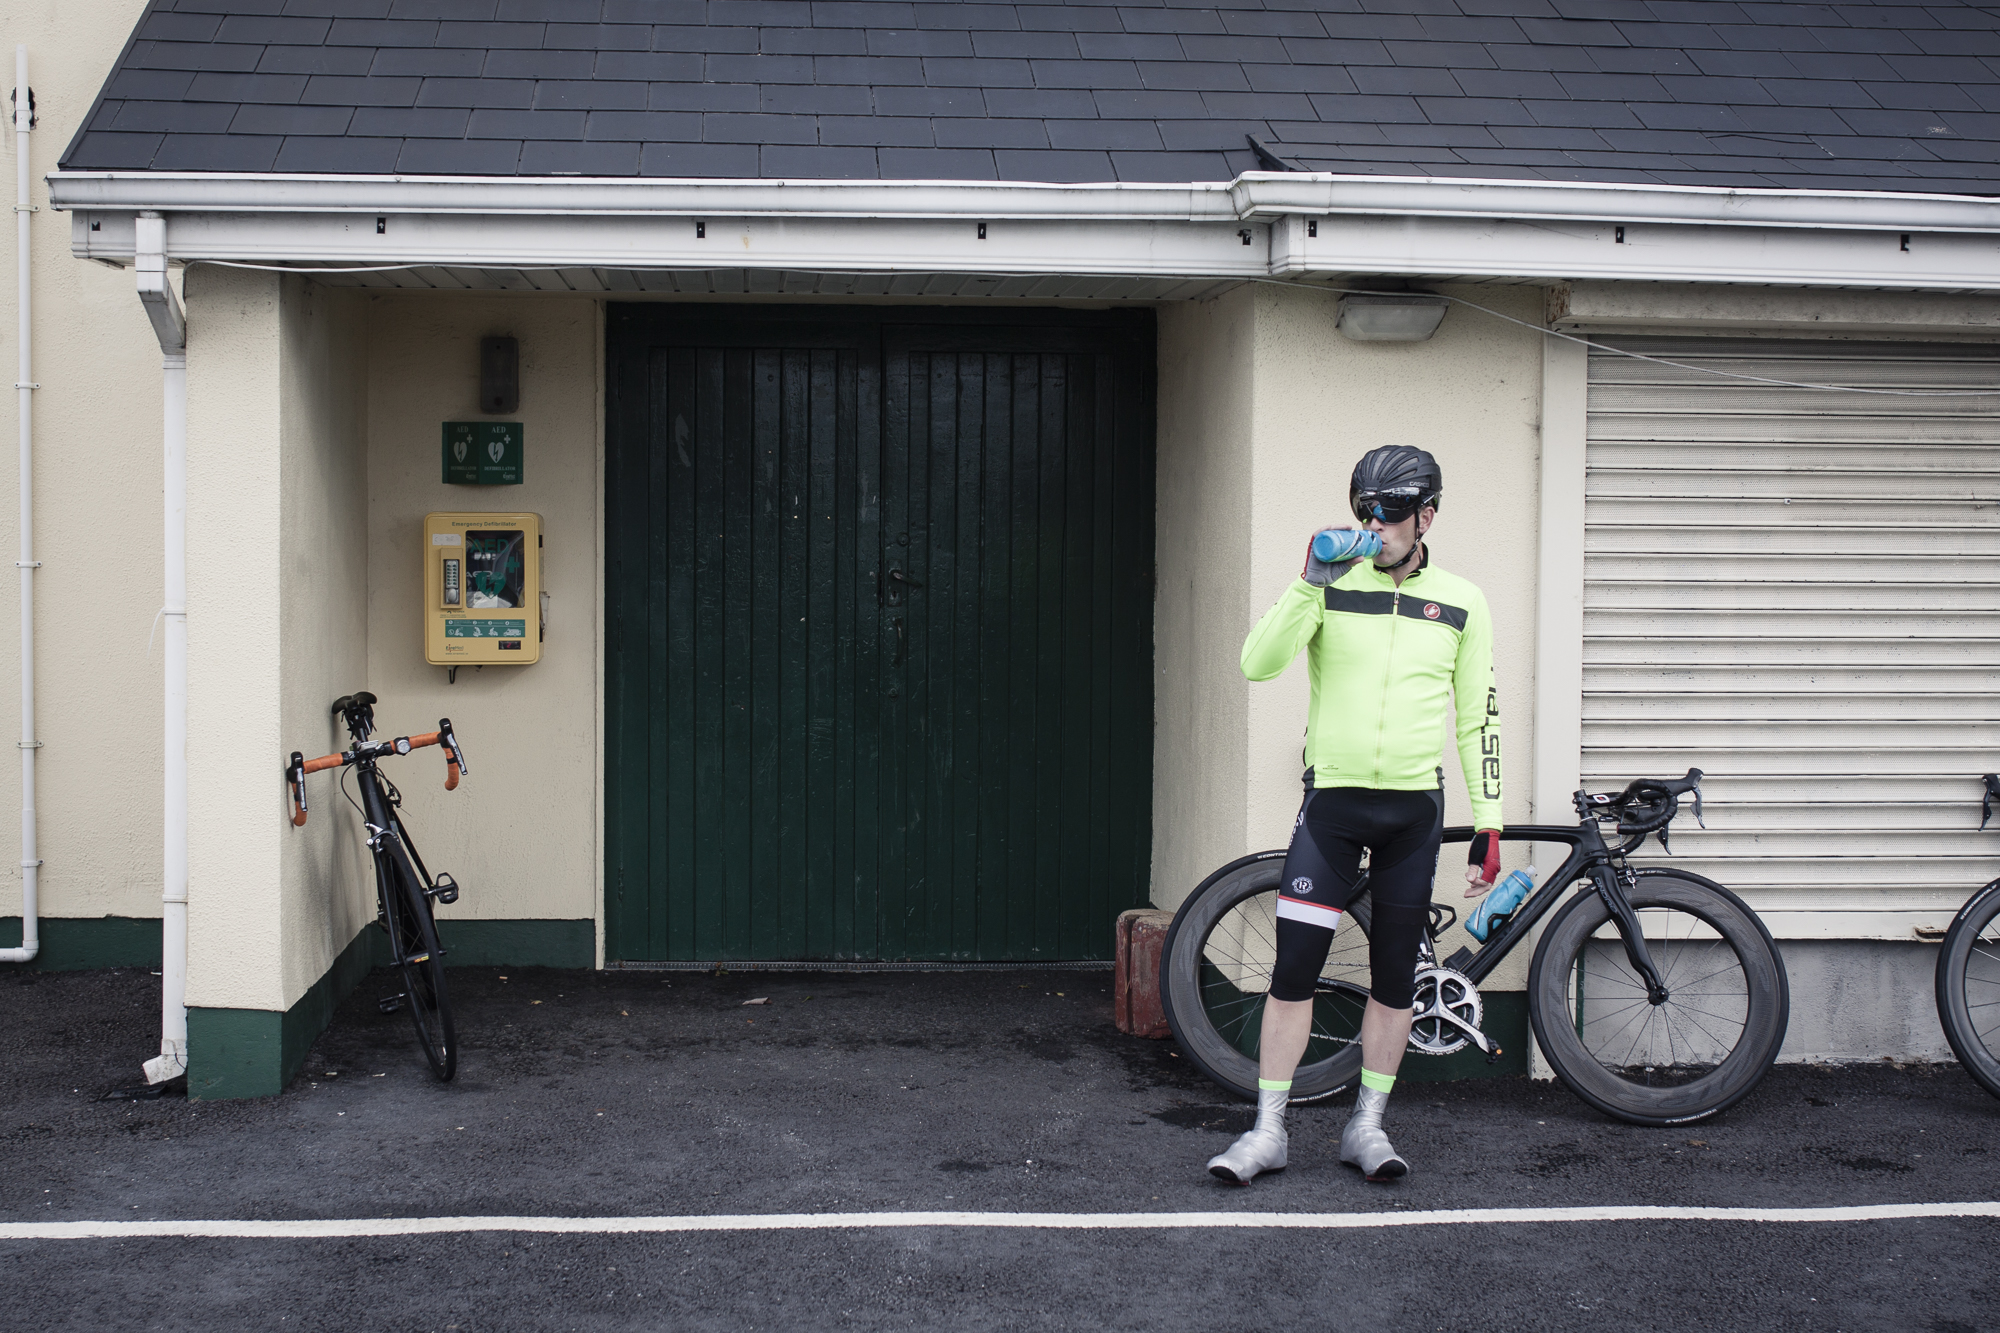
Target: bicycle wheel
{"points": [[1216, 970], [1968, 987], [1698, 1052], [414, 948]]}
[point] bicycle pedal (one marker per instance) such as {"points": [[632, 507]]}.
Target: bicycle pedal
{"points": [[445, 890], [1493, 1057], [391, 1004]]}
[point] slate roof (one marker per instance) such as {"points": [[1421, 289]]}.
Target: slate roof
{"points": [[1893, 96]]}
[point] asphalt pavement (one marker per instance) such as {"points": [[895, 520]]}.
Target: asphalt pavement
{"points": [[620, 1094]]}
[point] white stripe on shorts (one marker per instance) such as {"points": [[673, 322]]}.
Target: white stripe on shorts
{"points": [[1311, 914]]}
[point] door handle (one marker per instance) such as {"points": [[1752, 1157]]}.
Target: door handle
{"points": [[897, 660], [898, 580]]}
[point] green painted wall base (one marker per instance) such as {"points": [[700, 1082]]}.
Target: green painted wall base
{"points": [[255, 1052], [1506, 1022], [73, 943]]}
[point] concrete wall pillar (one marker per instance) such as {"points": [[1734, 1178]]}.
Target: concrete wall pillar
{"points": [[277, 583]]}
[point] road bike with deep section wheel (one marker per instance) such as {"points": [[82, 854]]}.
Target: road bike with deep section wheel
{"points": [[1656, 995], [1968, 974], [404, 888]]}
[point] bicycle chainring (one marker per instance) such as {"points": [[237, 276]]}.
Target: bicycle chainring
{"points": [[1442, 991]]}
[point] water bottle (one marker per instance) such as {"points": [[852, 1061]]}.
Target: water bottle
{"points": [[1507, 895], [1330, 546]]}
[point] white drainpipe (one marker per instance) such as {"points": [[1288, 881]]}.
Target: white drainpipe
{"points": [[163, 307], [31, 925]]}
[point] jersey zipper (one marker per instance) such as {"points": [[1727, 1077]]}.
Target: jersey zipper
{"points": [[1388, 671]]}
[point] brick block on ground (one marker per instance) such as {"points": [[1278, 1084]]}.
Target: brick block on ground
{"points": [[1142, 937]]}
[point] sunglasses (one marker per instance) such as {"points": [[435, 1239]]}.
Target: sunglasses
{"points": [[1390, 508]]}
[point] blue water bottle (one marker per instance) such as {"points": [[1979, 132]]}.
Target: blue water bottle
{"points": [[1332, 548], [1333, 545], [1509, 894]]}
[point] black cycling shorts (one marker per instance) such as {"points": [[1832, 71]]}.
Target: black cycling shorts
{"points": [[1400, 830]]}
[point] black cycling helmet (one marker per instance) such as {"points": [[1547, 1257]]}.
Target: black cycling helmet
{"points": [[1393, 482]]}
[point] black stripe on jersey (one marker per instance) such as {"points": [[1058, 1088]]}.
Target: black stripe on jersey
{"points": [[1360, 602]]}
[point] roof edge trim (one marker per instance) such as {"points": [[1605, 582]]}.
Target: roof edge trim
{"points": [[1251, 196]]}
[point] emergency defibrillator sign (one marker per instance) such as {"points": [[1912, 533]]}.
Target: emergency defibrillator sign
{"points": [[483, 453]]}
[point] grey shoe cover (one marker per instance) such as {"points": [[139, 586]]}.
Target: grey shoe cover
{"points": [[1363, 1143], [1261, 1149]]}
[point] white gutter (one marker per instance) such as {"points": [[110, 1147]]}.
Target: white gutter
{"points": [[163, 308], [1252, 195], [24, 387], [1286, 226]]}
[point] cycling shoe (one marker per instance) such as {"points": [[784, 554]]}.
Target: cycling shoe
{"points": [[1363, 1143], [1254, 1153]]}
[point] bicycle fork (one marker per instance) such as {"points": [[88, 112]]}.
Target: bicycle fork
{"points": [[1612, 891]]}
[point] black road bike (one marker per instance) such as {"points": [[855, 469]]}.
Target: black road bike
{"points": [[1656, 995], [1968, 975], [404, 889]]}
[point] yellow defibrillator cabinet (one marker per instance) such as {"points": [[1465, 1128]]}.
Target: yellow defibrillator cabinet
{"points": [[482, 589]]}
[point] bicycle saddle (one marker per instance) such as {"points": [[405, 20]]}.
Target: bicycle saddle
{"points": [[358, 709]]}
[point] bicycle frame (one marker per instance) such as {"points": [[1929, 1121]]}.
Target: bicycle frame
{"points": [[1589, 855]]}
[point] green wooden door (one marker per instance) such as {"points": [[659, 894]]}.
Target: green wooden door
{"points": [[879, 631]]}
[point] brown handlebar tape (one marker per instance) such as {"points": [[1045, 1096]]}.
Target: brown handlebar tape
{"points": [[450, 757], [325, 761]]}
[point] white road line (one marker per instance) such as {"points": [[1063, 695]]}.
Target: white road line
{"points": [[337, 1228]]}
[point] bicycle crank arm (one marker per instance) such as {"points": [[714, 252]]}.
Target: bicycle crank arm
{"points": [[1472, 1034]]}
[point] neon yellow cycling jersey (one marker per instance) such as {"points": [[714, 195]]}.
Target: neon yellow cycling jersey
{"points": [[1383, 661]]}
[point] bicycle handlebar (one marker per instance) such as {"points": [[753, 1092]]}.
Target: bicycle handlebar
{"points": [[299, 766], [1647, 805]]}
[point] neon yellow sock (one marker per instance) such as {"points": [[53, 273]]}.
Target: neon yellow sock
{"points": [[1379, 1082], [1273, 1085]]}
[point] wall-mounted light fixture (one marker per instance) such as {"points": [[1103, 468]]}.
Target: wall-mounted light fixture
{"points": [[1393, 317], [499, 376]]}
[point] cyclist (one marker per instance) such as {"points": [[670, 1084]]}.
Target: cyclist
{"points": [[1386, 642]]}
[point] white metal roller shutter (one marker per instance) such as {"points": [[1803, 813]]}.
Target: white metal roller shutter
{"points": [[1798, 591]]}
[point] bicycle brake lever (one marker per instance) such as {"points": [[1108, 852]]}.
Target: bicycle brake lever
{"points": [[1992, 781], [454, 755]]}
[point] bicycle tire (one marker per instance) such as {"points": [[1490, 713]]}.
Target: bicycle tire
{"points": [[1968, 980], [1670, 1072], [414, 950], [1212, 988]]}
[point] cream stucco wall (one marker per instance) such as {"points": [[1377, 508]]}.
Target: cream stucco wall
{"points": [[277, 580], [1206, 431], [1263, 410], [522, 833], [98, 524]]}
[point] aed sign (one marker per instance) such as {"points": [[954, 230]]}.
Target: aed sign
{"points": [[482, 453], [482, 589]]}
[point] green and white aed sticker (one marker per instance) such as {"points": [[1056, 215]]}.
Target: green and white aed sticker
{"points": [[485, 629]]}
